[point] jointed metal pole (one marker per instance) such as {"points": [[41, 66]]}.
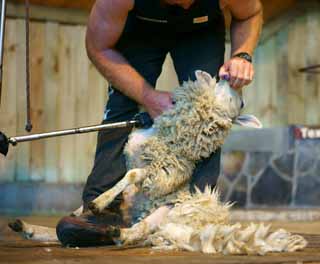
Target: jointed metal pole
{"points": [[141, 120], [80, 130], [2, 29], [6, 141]]}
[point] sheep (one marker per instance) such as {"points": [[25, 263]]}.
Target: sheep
{"points": [[161, 160]]}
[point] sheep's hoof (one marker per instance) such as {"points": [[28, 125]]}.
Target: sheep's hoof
{"points": [[94, 208], [16, 226]]}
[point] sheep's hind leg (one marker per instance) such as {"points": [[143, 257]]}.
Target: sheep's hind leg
{"points": [[141, 230], [34, 232], [132, 176]]}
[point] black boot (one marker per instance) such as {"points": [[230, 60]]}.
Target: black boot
{"points": [[89, 230]]}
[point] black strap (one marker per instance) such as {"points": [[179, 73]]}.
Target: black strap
{"points": [[144, 120], [27, 20]]}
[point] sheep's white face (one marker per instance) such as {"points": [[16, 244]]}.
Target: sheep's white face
{"points": [[229, 98]]}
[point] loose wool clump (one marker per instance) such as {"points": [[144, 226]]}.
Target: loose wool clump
{"points": [[200, 222]]}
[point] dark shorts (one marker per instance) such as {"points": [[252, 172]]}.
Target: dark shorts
{"points": [[197, 50]]}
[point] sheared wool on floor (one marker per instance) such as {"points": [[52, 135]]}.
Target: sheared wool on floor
{"points": [[200, 222]]}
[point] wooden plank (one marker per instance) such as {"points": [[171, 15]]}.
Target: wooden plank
{"points": [[269, 82], [37, 103], [66, 105], [51, 87], [318, 75], [8, 105], [296, 80], [79, 4], [273, 8], [43, 13], [96, 103], [251, 92], [280, 23], [23, 150], [79, 73], [312, 84], [281, 58], [264, 84]]}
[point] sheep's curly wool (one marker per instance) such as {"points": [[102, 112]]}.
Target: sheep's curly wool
{"points": [[193, 129]]}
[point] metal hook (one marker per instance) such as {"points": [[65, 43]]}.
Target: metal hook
{"points": [[28, 127], [313, 69], [2, 30]]}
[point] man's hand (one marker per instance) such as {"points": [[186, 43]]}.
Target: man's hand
{"points": [[239, 72], [156, 102], [245, 30]]}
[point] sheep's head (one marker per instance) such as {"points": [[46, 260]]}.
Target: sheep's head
{"points": [[230, 100]]}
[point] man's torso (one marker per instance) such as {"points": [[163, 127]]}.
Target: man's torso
{"points": [[151, 16]]}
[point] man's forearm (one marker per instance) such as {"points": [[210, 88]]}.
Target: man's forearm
{"points": [[114, 67], [245, 34]]}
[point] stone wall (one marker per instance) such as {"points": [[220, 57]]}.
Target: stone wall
{"points": [[272, 168]]}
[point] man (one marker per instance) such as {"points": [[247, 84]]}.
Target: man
{"points": [[128, 40]]}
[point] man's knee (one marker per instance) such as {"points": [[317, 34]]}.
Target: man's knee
{"points": [[67, 231], [86, 231]]}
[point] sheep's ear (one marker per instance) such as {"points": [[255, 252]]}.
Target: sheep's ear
{"points": [[248, 121], [204, 77]]}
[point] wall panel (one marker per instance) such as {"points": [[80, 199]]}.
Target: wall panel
{"points": [[67, 91]]}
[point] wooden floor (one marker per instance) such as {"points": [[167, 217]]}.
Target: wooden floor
{"points": [[15, 250]]}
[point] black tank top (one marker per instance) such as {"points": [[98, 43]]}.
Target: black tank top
{"points": [[150, 16]]}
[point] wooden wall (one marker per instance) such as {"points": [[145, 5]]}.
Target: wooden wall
{"points": [[67, 92], [280, 94]]}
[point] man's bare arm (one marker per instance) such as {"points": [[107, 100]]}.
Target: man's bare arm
{"points": [[105, 26], [245, 31], [246, 24]]}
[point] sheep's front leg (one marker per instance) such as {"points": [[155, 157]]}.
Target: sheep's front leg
{"points": [[132, 176], [141, 230]]}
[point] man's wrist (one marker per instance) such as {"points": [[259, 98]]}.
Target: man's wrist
{"points": [[147, 97], [243, 55]]}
